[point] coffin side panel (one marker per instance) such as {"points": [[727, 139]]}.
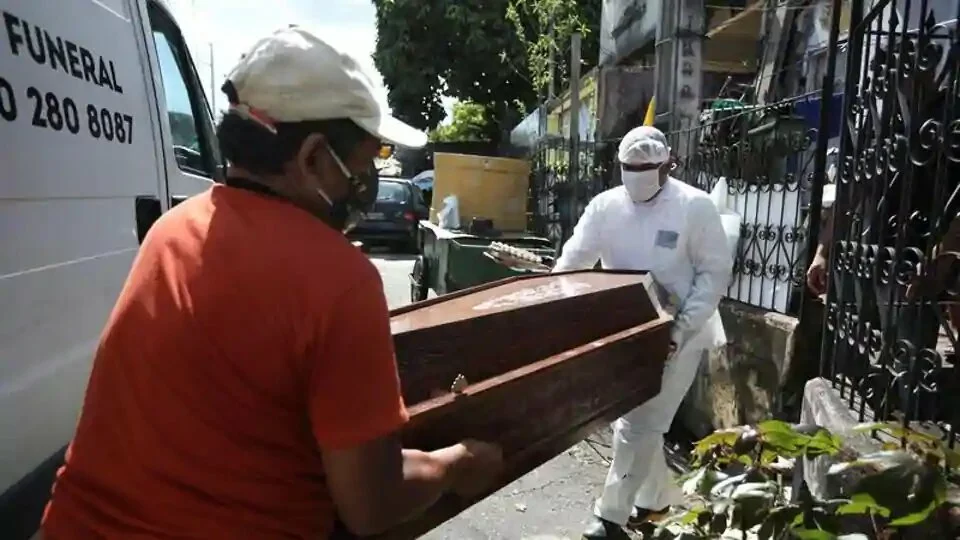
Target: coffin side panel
{"points": [[430, 359], [540, 414]]}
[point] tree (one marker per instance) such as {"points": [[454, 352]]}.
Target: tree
{"points": [[545, 28], [469, 124], [467, 50]]}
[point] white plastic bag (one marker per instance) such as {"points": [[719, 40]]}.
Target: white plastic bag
{"points": [[719, 194], [728, 218], [829, 195], [449, 215], [713, 331]]}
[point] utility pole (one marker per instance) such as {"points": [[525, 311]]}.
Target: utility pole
{"points": [[552, 89], [574, 97], [213, 85], [688, 73], [574, 170]]}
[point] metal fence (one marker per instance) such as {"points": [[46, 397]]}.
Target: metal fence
{"points": [[893, 302], [757, 162], [763, 155], [557, 197], [890, 335]]}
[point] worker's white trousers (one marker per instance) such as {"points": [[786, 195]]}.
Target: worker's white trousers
{"points": [[639, 475]]}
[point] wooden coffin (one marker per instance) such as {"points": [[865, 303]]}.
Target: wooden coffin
{"points": [[539, 361]]}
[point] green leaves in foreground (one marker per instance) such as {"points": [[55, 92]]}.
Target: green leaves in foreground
{"points": [[765, 443], [739, 484]]}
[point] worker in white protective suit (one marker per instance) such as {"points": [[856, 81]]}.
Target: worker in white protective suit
{"points": [[657, 223]]}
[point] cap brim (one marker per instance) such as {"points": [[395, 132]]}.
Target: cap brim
{"points": [[389, 129]]}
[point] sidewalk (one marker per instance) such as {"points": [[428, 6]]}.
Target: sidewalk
{"points": [[553, 502]]}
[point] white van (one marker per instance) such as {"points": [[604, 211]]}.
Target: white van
{"points": [[103, 126]]}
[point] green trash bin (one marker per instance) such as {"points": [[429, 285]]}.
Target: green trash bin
{"points": [[453, 260]]}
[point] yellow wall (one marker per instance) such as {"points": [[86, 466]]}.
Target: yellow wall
{"points": [[559, 116], [487, 187]]}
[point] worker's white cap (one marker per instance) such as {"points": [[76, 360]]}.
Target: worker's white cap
{"points": [[644, 145], [294, 76]]}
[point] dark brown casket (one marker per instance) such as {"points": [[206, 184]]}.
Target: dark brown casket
{"points": [[541, 360]]}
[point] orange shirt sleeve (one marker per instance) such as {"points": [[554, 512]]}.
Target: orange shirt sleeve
{"points": [[355, 388]]}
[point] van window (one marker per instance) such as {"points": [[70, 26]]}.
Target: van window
{"points": [[185, 103]]}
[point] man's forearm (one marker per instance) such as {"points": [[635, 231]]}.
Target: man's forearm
{"points": [[826, 233], [699, 306], [690, 321], [426, 477], [382, 485], [823, 250]]}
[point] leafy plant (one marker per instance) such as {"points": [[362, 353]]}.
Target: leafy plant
{"points": [[545, 27], [466, 50], [738, 485], [469, 124]]}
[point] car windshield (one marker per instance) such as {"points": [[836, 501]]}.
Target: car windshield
{"points": [[392, 192]]}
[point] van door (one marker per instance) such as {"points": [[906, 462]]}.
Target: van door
{"points": [[191, 156], [78, 151]]}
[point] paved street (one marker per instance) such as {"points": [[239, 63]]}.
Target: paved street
{"points": [[551, 503], [395, 272]]}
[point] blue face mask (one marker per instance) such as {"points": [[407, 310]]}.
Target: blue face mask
{"points": [[362, 189]]}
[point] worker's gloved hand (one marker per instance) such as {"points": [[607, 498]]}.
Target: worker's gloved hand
{"points": [[676, 340], [477, 467]]}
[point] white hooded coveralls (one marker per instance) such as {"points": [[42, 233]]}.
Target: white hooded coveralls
{"points": [[679, 238]]}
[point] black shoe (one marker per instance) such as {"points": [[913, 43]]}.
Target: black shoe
{"points": [[645, 515], [601, 529]]}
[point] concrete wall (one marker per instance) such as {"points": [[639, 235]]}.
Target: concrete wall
{"points": [[625, 26], [623, 95], [739, 384]]}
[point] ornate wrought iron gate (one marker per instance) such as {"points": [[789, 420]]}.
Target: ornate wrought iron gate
{"points": [[557, 197], [890, 331]]}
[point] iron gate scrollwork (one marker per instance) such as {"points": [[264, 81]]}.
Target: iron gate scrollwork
{"points": [[764, 155], [557, 197], [890, 336]]}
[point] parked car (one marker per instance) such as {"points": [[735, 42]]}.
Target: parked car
{"points": [[394, 217]]}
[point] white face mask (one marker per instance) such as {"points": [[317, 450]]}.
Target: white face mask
{"points": [[641, 185]]}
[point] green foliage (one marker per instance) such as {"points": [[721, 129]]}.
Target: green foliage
{"points": [[545, 28], [469, 124], [739, 484], [466, 50]]}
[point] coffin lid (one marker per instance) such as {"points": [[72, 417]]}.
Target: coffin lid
{"points": [[508, 296]]}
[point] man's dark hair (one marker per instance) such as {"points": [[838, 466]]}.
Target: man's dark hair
{"points": [[249, 145]]}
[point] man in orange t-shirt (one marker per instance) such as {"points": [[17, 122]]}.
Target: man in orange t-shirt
{"points": [[245, 384]]}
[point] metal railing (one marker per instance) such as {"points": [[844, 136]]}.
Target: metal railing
{"points": [[764, 154], [890, 334], [757, 161], [557, 198]]}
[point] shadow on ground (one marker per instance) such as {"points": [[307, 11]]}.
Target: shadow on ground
{"points": [[554, 502]]}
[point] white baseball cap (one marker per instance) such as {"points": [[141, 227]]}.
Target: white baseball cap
{"points": [[294, 76], [644, 145]]}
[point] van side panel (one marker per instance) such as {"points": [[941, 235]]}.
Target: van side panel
{"points": [[77, 147]]}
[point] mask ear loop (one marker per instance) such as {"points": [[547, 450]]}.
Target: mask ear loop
{"points": [[354, 181], [343, 168]]}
